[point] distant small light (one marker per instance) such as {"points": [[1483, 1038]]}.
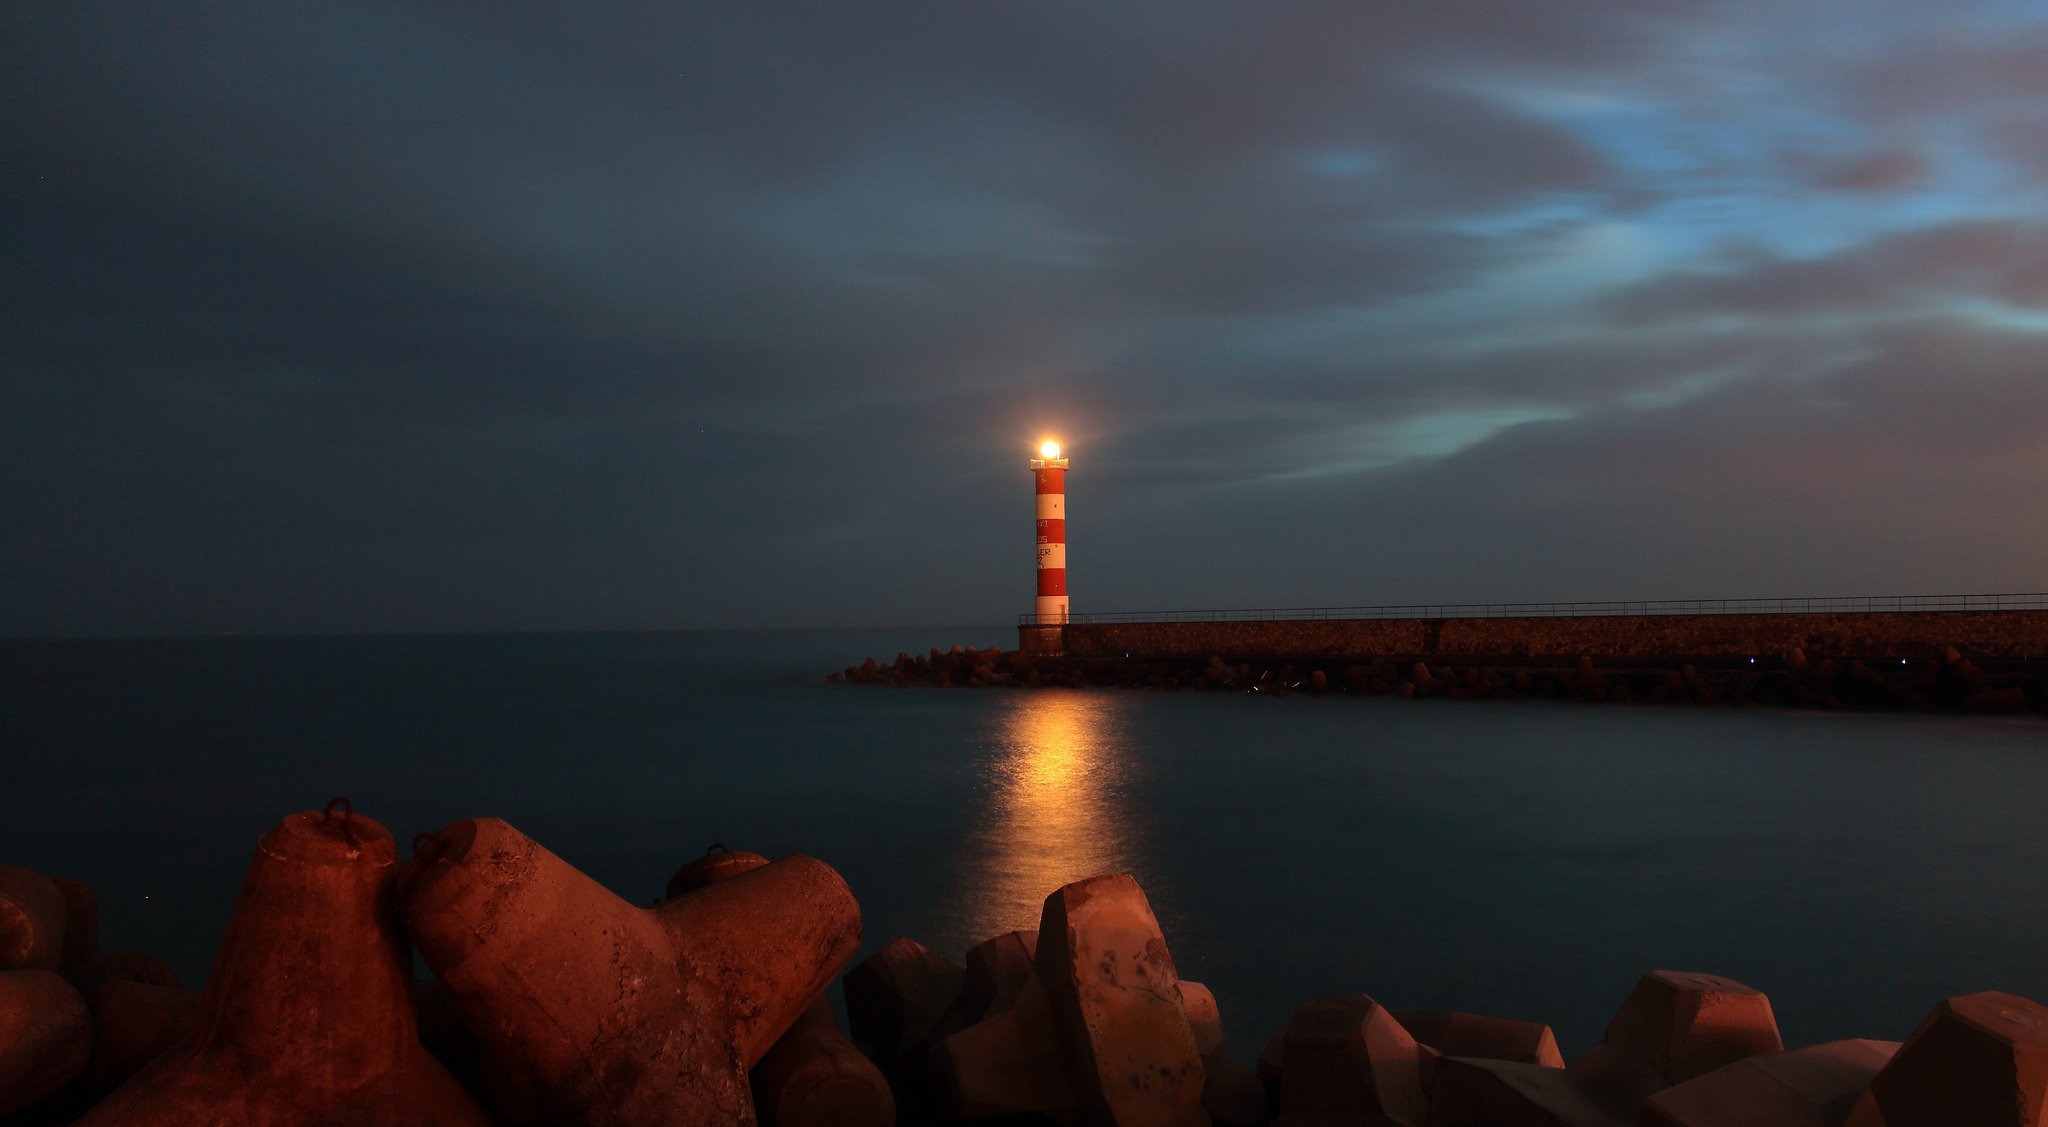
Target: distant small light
{"points": [[1050, 449], [1902, 661], [1752, 661]]}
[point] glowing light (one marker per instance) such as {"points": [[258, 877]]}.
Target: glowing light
{"points": [[1049, 449]]}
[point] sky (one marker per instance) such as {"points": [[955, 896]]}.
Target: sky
{"points": [[538, 316]]}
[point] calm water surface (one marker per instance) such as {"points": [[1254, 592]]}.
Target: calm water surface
{"points": [[1521, 858]]}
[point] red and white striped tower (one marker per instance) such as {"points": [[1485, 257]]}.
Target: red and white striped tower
{"points": [[1051, 471]]}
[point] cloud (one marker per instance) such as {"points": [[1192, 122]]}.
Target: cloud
{"points": [[1992, 260], [369, 316], [1892, 170]]}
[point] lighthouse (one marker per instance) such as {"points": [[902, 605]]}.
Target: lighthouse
{"points": [[1050, 471]]}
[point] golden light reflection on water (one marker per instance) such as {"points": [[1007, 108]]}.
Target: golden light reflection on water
{"points": [[1055, 810]]}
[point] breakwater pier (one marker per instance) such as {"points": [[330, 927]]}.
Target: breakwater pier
{"points": [[1978, 653]]}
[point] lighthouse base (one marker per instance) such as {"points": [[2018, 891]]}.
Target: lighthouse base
{"points": [[1042, 641]]}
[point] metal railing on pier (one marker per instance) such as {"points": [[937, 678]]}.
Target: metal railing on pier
{"points": [[1831, 604]]}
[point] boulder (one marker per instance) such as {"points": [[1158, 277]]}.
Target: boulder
{"points": [[589, 1010], [305, 1017], [1116, 1000], [814, 1077], [1472, 1091], [1457, 1034], [1346, 1060], [32, 916], [1976, 1059], [1674, 1026], [1810, 1087], [45, 1036]]}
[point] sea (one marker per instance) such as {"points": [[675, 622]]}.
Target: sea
{"points": [[1523, 858]]}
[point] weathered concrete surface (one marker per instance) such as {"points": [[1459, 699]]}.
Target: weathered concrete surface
{"points": [[306, 1017], [1456, 1034], [1810, 1087], [45, 1036], [1116, 1000], [1675, 1026], [1980, 1059], [1345, 1059], [1985, 635], [588, 1010]]}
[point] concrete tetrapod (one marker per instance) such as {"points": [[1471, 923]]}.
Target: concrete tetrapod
{"points": [[1457, 1034], [133, 1023], [895, 998], [32, 917], [1483, 1092], [718, 863], [1976, 1059], [45, 1036], [1205, 1019], [1810, 1087], [1116, 1001], [305, 1017], [1345, 1059], [588, 1010], [1010, 1064], [81, 927], [813, 1076], [997, 970], [1674, 1026]]}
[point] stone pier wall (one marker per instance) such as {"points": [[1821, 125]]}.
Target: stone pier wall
{"points": [[1986, 635]]}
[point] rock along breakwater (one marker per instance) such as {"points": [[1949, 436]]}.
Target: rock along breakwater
{"points": [[1990, 662]]}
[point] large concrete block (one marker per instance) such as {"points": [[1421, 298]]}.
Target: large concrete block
{"points": [[1810, 1087], [1010, 1064], [306, 1016], [1674, 1026], [1116, 999], [1267, 1067], [588, 1010], [133, 1023], [718, 863], [128, 966], [1976, 1059], [45, 1036], [81, 927], [1346, 1060], [814, 1077], [1457, 1034], [1232, 1094], [1205, 1018], [895, 999], [997, 970], [32, 917], [1484, 1092]]}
